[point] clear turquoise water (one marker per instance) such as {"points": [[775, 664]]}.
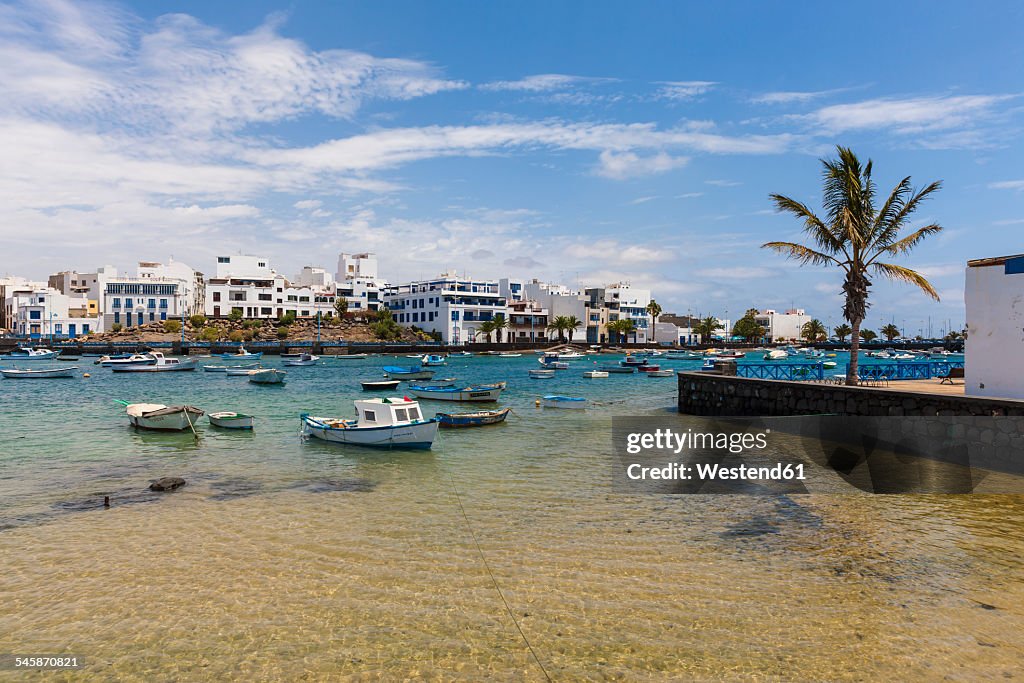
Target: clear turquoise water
{"points": [[291, 560]]}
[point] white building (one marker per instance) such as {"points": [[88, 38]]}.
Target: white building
{"points": [[448, 304], [155, 293], [248, 284], [994, 297], [786, 325], [10, 286], [314, 277], [555, 300], [616, 302], [357, 280], [42, 312]]}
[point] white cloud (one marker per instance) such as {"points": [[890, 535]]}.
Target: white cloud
{"points": [[689, 195], [1017, 185], [620, 165], [791, 96], [1009, 221], [543, 83], [305, 204], [910, 115], [603, 250], [683, 90], [738, 273], [723, 183], [642, 200]]}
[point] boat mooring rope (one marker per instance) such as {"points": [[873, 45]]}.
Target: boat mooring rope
{"points": [[494, 581]]}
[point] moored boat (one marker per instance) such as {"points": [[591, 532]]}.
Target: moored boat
{"points": [[648, 368], [27, 353], [486, 393], [567, 402], [161, 417], [58, 373], [682, 355], [478, 418], [433, 360], [595, 374], [303, 360], [618, 369], [351, 356], [228, 368], [542, 373], [267, 376], [660, 373], [242, 353], [510, 355], [633, 361], [126, 359], [395, 372], [552, 362], [379, 423], [382, 385], [775, 354], [231, 420], [162, 364]]}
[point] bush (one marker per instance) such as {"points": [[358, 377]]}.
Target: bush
{"points": [[116, 327], [235, 315], [197, 321], [172, 326], [236, 336], [252, 324], [288, 318], [386, 330], [210, 334], [282, 332]]}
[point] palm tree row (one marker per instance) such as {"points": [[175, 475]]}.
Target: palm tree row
{"points": [[854, 235], [564, 325]]}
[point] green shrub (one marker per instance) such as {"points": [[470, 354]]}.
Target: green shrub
{"points": [[235, 314], [252, 324], [236, 336], [288, 318], [116, 327], [210, 334], [282, 332], [172, 326], [197, 321]]}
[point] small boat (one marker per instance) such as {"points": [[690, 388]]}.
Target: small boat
{"points": [[479, 418], [162, 364], [431, 360], [553, 363], [127, 359], [26, 353], [542, 374], [239, 371], [708, 366], [267, 376], [595, 374], [684, 355], [569, 402], [395, 372], [618, 369], [227, 368], [485, 393], [159, 416], [382, 385], [294, 354], [660, 373], [829, 364], [435, 383], [633, 361], [379, 423], [510, 355], [303, 360], [777, 354], [352, 356], [461, 353], [572, 355], [648, 368], [230, 420], [58, 373], [242, 353]]}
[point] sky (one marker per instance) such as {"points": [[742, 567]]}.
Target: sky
{"points": [[581, 143]]}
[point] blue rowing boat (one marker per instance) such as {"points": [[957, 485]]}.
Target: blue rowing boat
{"points": [[479, 418]]}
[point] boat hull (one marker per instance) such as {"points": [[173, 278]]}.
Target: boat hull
{"points": [[381, 386], [595, 374], [228, 420], [176, 419], [405, 373], [267, 376], [184, 366], [62, 373], [469, 394], [419, 435], [542, 374], [564, 402], [478, 419]]}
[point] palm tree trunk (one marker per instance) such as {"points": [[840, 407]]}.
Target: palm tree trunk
{"points": [[851, 377]]}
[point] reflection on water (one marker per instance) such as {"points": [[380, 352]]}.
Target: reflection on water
{"points": [[284, 559]]}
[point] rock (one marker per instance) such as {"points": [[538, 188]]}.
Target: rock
{"points": [[166, 484]]}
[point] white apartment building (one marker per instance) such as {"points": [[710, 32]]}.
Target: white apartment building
{"points": [[10, 286], [786, 325], [42, 312], [556, 300], [994, 364], [448, 304], [357, 280], [314, 277], [615, 302], [155, 293], [249, 284]]}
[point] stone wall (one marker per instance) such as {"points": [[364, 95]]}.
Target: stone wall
{"points": [[707, 394]]}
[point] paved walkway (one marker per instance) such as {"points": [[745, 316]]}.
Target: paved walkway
{"points": [[924, 386]]}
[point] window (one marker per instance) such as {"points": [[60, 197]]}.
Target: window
{"points": [[152, 316], [265, 311], [85, 328], [35, 315], [304, 313], [163, 303], [127, 303], [163, 315], [216, 296], [117, 318], [264, 297], [140, 317], [117, 303], [414, 413], [152, 303], [262, 264], [369, 416], [401, 415], [431, 316], [57, 328], [223, 259], [455, 315]]}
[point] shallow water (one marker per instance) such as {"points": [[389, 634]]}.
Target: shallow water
{"points": [[284, 559]]}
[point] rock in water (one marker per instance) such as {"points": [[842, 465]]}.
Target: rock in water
{"points": [[166, 484]]}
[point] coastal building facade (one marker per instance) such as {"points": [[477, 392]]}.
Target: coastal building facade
{"points": [[785, 325], [156, 292], [450, 305], [41, 312], [249, 285], [616, 302], [994, 351], [558, 301], [358, 281]]}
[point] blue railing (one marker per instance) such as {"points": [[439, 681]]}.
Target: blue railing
{"points": [[908, 370], [784, 371]]}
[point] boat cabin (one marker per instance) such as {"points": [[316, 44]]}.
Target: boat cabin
{"points": [[387, 412]]}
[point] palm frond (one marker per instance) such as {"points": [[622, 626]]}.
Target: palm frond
{"points": [[823, 234], [907, 243], [894, 272], [801, 253], [895, 224], [893, 205]]}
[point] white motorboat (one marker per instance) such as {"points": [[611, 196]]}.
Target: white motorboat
{"points": [[776, 354], [12, 373], [303, 360], [595, 374], [228, 368], [486, 393], [660, 373], [267, 376], [162, 364], [127, 359], [433, 360], [379, 423], [159, 416], [27, 353], [542, 374], [242, 355]]}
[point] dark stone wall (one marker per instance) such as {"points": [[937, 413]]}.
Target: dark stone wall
{"points": [[707, 394]]}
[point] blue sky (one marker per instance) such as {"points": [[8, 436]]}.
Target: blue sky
{"points": [[577, 143]]}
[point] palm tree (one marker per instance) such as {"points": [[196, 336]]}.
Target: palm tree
{"points": [[627, 327], [571, 323], [558, 325], [868, 336], [613, 330], [843, 331], [706, 328], [499, 323], [813, 330], [890, 332], [854, 235], [654, 310], [486, 328]]}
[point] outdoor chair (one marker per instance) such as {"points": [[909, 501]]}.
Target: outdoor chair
{"points": [[953, 374]]}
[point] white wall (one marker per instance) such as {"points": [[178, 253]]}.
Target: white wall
{"points": [[995, 330]]}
